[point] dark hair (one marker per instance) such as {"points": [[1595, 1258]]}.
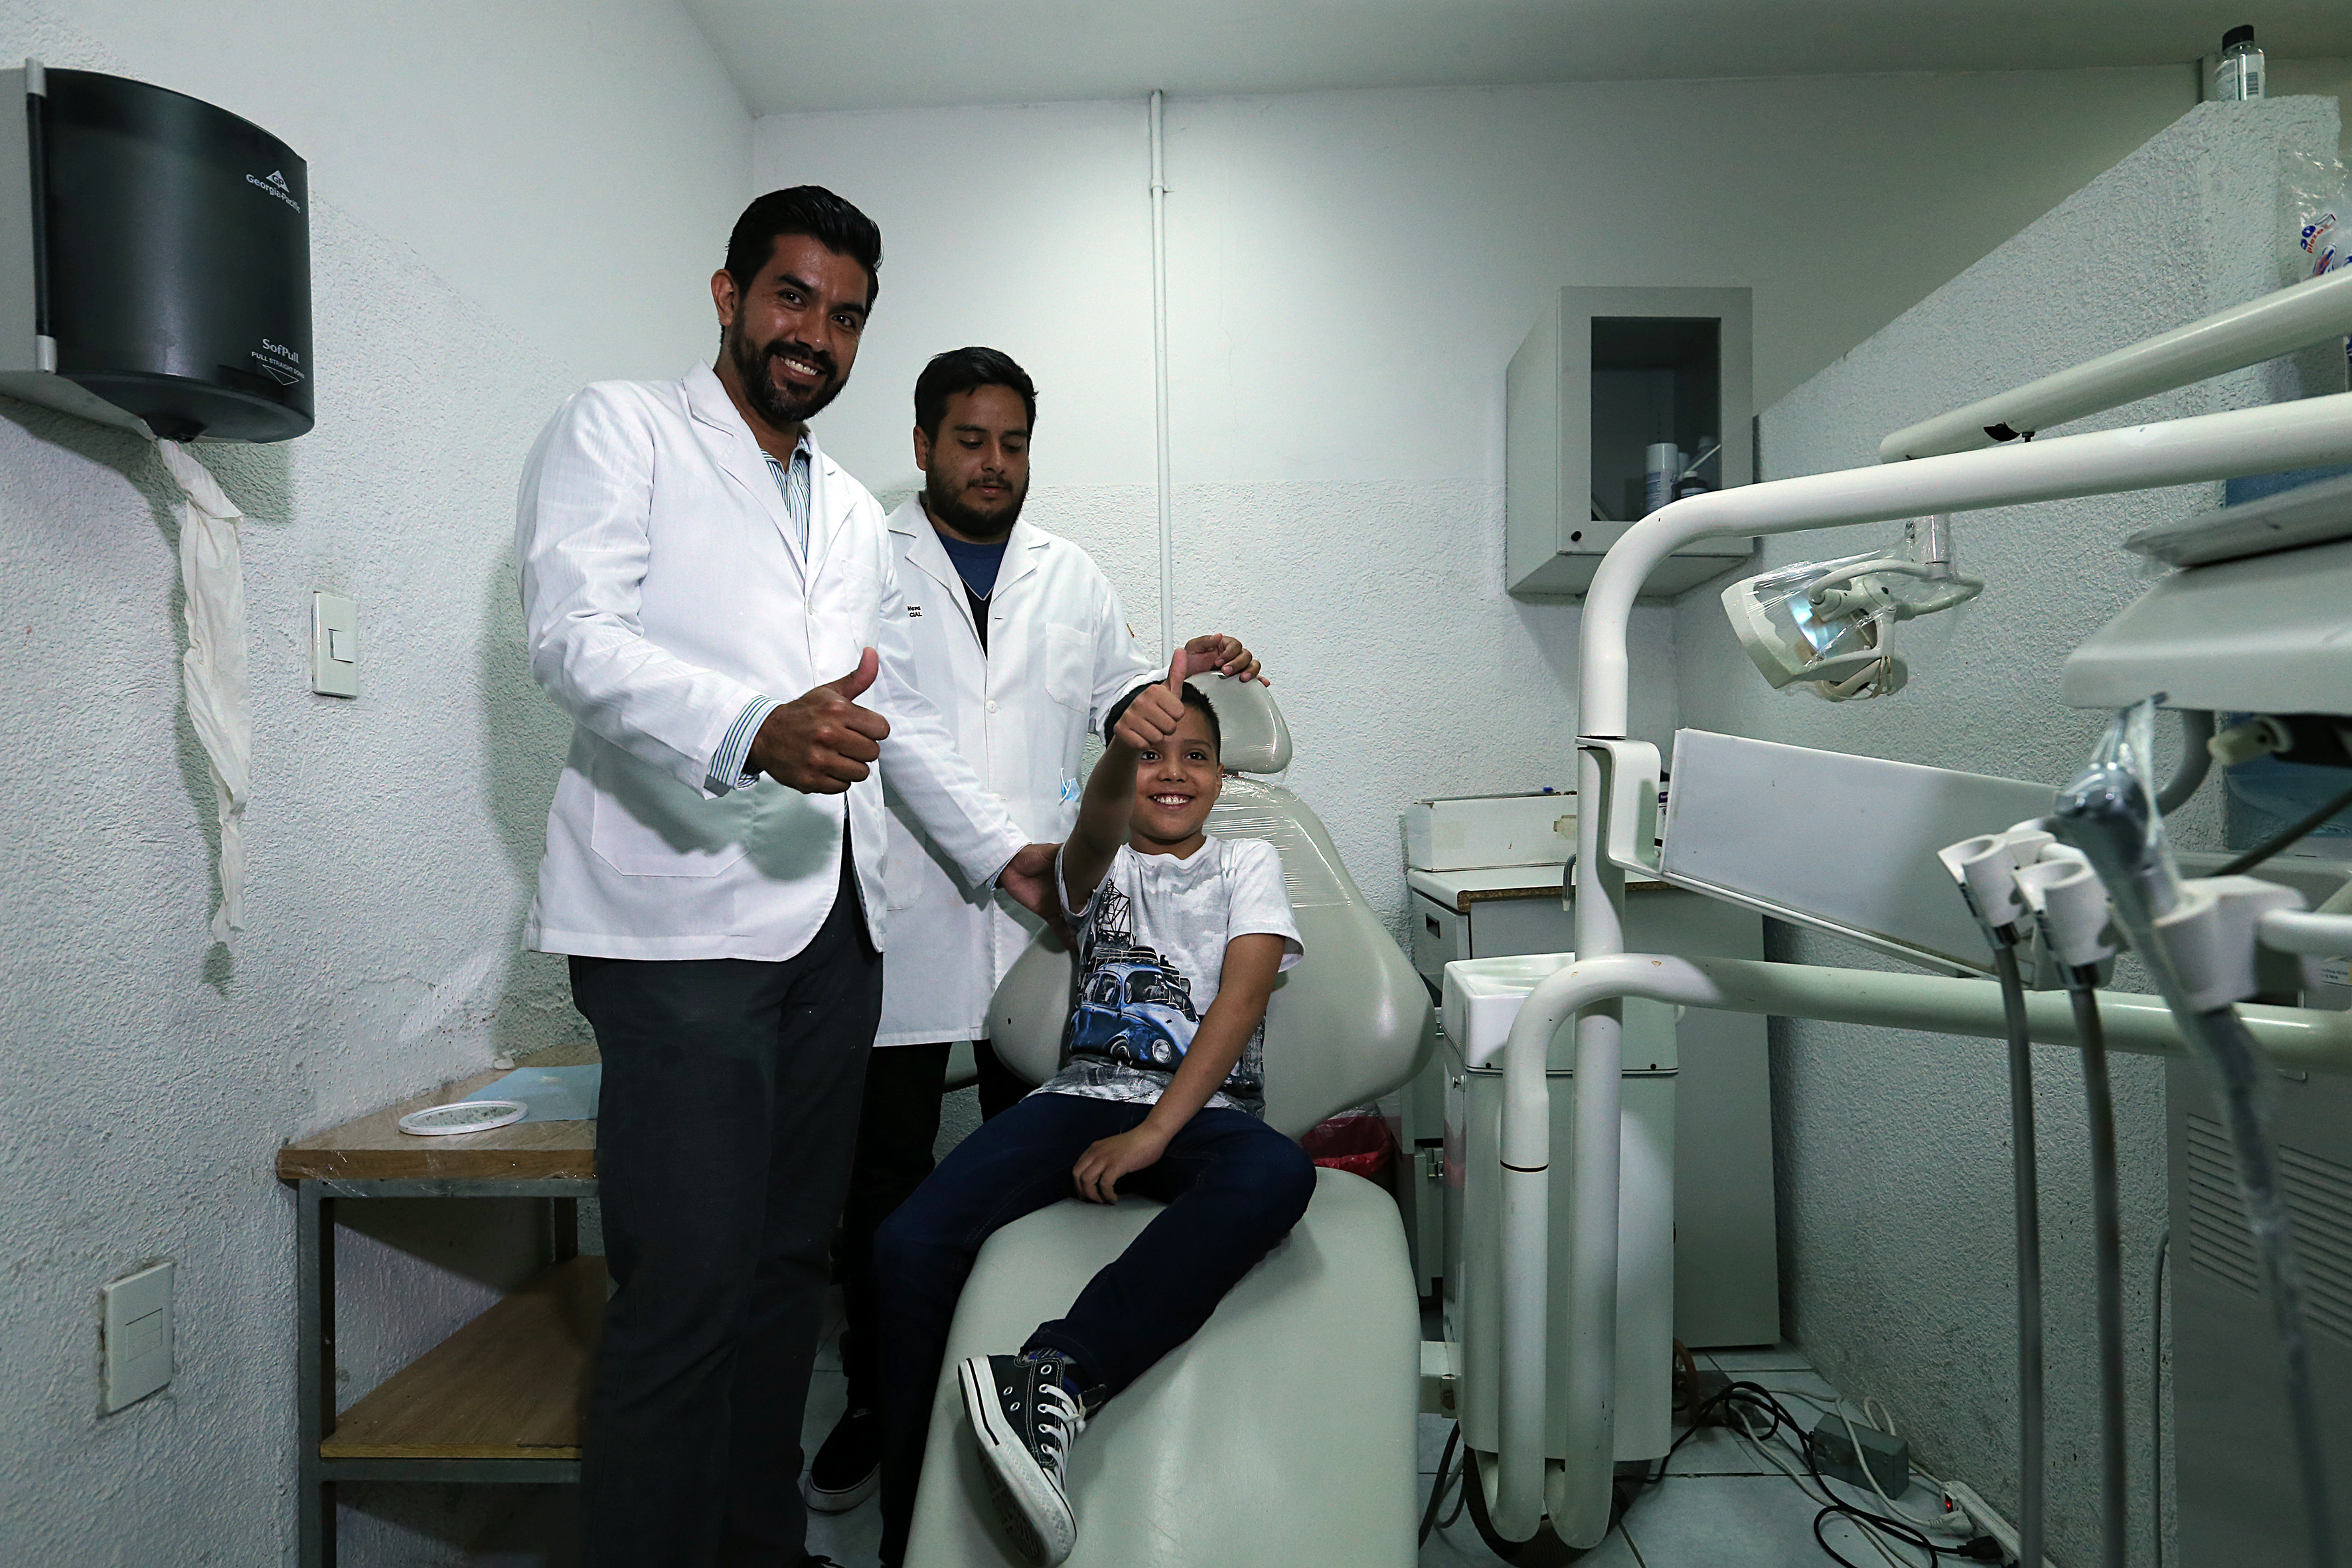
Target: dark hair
{"points": [[1195, 698], [810, 210], [963, 370]]}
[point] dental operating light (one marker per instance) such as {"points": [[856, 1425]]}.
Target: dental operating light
{"points": [[1831, 624]]}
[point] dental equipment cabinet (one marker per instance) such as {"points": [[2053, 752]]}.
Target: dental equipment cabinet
{"points": [[1717, 1121], [1965, 461]]}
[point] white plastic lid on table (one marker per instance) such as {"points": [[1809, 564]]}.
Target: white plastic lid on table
{"points": [[1483, 996]]}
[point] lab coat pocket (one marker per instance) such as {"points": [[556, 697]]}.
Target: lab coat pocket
{"points": [[646, 824], [1069, 666]]}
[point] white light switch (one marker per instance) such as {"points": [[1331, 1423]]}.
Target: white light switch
{"points": [[334, 645], [137, 1336]]}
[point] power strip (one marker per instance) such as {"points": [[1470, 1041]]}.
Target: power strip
{"points": [[1881, 1458]]}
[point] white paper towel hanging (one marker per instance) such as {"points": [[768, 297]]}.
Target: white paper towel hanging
{"points": [[220, 705]]}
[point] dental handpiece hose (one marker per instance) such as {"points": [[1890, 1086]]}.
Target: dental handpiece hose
{"points": [[2029, 1248], [2108, 813], [2227, 1044], [2106, 1233]]}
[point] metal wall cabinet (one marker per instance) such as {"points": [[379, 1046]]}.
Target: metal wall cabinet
{"points": [[1726, 1254], [1605, 373]]}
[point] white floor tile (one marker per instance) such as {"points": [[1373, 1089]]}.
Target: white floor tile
{"points": [[1459, 1546], [1717, 1451], [828, 1395], [850, 1539], [1708, 1521], [1759, 1359], [1810, 1383]]}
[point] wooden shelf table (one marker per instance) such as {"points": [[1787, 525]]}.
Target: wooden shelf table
{"points": [[502, 1399]]}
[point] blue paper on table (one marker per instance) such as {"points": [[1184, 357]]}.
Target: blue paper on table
{"points": [[551, 1094]]}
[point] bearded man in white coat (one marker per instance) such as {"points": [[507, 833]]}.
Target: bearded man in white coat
{"points": [[1021, 642], [717, 607]]}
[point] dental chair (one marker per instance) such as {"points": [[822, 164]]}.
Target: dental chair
{"points": [[1283, 1433]]}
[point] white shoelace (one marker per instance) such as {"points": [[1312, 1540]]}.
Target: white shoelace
{"points": [[1063, 1418]]}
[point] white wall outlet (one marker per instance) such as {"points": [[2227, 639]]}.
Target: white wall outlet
{"points": [[334, 645], [138, 1337]]}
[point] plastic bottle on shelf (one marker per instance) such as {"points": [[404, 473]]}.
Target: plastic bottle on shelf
{"points": [[2238, 74], [1662, 463]]}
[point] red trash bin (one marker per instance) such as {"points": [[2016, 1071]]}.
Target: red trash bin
{"points": [[1358, 1141]]}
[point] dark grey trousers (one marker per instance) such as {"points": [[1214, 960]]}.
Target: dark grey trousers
{"points": [[725, 1131]]}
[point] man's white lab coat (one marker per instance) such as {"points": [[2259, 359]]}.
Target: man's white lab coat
{"points": [[664, 588], [1060, 654]]}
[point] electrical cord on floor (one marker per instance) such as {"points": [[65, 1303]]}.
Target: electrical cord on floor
{"points": [[2155, 1404], [2285, 837], [2029, 1253], [1739, 1401], [2107, 1231], [1437, 1487]]}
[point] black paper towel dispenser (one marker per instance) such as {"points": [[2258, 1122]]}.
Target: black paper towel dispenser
{"points": [[154, 260]]}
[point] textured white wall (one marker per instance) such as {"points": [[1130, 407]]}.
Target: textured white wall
{"points": [[1896, 1241], [146, 1075], [571, 166], [1349, 273]]}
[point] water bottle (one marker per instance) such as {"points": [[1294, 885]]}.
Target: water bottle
{"points": [[2238, 74], [1661, 463]]}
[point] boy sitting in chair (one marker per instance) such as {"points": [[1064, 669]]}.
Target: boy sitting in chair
{"points": [[1161, 1093]]}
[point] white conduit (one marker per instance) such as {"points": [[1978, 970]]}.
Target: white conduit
{"points": [[2300, 1039], [1160, 373], [2185, 451], [213, 671]]}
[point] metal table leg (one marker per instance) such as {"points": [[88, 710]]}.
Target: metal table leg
{"points": [[315, 1370], [562, 1229]]}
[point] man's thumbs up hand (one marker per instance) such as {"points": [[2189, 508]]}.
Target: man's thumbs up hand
{"points": [[823, 741], [853, 685]]}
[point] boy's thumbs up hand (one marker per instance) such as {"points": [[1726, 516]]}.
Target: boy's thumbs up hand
{"points": [[823, 741], [1154, 714]]}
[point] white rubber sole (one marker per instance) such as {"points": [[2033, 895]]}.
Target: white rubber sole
{"points": [[1029, 1506], [841, 1502]]}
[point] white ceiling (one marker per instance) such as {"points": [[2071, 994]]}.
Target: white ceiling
{"points": [[789, 55]]}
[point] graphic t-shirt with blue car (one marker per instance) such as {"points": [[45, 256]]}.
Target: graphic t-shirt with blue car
{"points": [[1152, 951]]}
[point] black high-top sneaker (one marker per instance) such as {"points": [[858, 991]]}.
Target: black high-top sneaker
{"points": [[1024, 1419]]}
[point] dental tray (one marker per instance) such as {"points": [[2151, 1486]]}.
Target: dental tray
{"points": [[2307, 514]]}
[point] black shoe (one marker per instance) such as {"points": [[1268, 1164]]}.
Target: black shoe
{"points": [[849, 1466], [1024, 1420]]}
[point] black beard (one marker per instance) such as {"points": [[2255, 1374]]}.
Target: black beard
{"points": [[760, 391], [985, 527]]}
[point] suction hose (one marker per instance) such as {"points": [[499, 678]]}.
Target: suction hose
{"points": [[2106, 1235], [2027, 1180]]}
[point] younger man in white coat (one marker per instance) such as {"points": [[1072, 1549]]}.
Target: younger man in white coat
{"points": [[1020, 641]]}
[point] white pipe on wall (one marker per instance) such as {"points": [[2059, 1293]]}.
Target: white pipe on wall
{"points": [[2229, 340], [1160, 374], [2183, 451]]}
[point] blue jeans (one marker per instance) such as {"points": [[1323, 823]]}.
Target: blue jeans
{"points": [[1233, 1187]]}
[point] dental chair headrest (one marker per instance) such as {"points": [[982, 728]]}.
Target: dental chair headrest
{"points": [[1257, 740]]}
